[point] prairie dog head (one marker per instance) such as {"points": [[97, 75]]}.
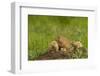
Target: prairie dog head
{"points": [[77, 44]]}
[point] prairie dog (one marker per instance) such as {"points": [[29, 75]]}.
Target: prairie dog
{"points": [[63, 43], [53, 46], [77, 44]]}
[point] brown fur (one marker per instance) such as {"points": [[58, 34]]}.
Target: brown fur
{"points": [[63, 43]]}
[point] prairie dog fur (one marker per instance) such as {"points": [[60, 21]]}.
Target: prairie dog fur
{"points": [[63, 43], [53, 46]]}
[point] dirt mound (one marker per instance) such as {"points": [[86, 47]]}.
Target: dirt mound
{"points": [[54, 55], [50, 55]]}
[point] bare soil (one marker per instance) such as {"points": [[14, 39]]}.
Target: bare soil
{"points": [[54, 55], [61, 54]]}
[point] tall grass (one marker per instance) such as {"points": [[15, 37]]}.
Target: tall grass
{"points": [[43, 29]]}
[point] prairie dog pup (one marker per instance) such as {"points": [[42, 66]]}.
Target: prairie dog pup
{"points": [[53, 46], [77, 44]]}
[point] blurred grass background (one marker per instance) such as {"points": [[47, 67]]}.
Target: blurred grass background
{"points": [[43, 29]]}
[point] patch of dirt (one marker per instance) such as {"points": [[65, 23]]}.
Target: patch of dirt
{"points": [[54, 55], [61, 54]]}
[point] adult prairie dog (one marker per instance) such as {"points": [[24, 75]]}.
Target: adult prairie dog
{"points": [[63, 43]]}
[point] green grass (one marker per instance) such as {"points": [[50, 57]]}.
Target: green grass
{"points": [[43, 29]]}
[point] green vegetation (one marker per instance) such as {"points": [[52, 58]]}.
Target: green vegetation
{"points": [[43, 29]]}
